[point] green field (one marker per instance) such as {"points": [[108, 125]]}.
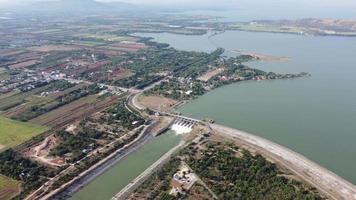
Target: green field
{"points": [[107, 37], [13, 133], [9, 188], [3, 74]]}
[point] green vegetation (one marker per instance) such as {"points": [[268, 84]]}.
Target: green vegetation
{"points": [[186, 84], [158, 185], [33, 175], [4, 74], [244, 176], [13, 132], [121, 115], [75, 144], [151, 65], [32, 96], [96, 131], [230, 172], [41, 107], [106, 37]]}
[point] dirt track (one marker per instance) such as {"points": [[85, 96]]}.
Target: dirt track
{"points": [[326, 181]]}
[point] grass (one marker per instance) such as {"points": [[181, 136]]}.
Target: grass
{"points": [[46, 31], [107, 37], [13, 132], [9, 188], [18, 98], [267, 28], [4, 74]]}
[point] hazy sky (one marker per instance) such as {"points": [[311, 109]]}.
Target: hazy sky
{"points": [[212, 2], [256, 9]]}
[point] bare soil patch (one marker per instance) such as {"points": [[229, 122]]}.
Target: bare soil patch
{"points": [[25, 64], [263, 57], [40, 152], [48, 48], [207, 76], [74, 111], [120, 73], [157, 102], [127, 47]]}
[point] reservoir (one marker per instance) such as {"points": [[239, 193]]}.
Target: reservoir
{"points": [[315, 116], [117, 177]]}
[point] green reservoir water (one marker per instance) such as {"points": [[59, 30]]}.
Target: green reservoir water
{"points": [[116, 178], [314, 116]]}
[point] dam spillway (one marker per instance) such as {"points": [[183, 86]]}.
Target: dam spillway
{"points": [[182, 125]]}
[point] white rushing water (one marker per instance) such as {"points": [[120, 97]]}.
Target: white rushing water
{"points": [[181, 128]]}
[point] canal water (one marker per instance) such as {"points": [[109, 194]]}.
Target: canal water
{"points": [[117, 177], [314, 116]]}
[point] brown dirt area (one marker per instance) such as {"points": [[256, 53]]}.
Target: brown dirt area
{"points": [[207, 76], [11, 52], [120, 73], [157, 102], [161, 124], [25, 64], [263, 57], [74, 111], [40, 152], [48, 48], [127, 47]]}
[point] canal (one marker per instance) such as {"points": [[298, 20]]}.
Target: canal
{"points": [[314, 116], [117, 177]]}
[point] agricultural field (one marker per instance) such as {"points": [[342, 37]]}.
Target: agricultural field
{"points": [[107, 37], [266, 28], [74, 111], [89, 43], [157, 102], [3, 74], [13, 132], [55, 95], [15, 99], [46, 31], [9, 188], [49, 48]]}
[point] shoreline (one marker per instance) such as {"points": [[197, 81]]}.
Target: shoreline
{"points": [[326, 181], [323, 179]]}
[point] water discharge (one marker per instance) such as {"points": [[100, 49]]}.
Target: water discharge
{"points": [[314, 116]]}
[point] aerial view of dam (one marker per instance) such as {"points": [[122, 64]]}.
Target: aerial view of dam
{"points": [[312, 116], [177, 100]]}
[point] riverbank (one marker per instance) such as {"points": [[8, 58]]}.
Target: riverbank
{"points": [[125, 192], [123, 173], [326, 181], [88, 175]]}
